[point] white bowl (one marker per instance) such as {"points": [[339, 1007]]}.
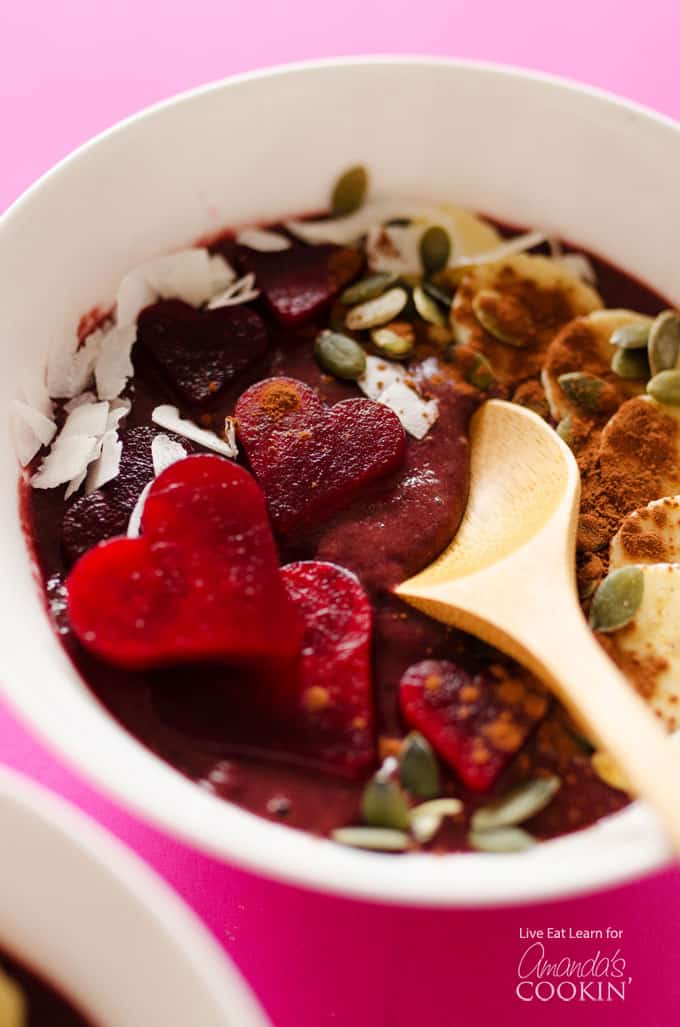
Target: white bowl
{"points": [[519, 146], [93, 920]]}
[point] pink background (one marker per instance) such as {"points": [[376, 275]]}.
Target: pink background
{"points": [[70, 69]]}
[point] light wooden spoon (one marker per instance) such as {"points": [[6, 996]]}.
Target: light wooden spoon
{"points": [[508, 577]]}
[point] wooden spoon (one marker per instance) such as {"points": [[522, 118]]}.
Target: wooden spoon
{"points": [[508, 577]]}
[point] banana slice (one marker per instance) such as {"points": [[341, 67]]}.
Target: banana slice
{"points": [[12, 1003], [470, 234], [583, 345], [526, 299], [396, 248], [648, 649], [648, 535]]}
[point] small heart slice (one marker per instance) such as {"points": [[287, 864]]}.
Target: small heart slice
{"points": [[476, 722], [299, 282], [201, 584], [312, 460], [201, 352]]}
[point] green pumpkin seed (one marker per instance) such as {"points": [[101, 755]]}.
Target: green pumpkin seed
{"points": [[435, 249], [395, 341], [585, 390], [479, 373], [383, 804], [631, 363], [427, 308], [500, 314], [439, 294], [517, 805], [664, 387], [375, 838], [427, 818], [564, 429], [339, 355], [349, 191], [378, 311], [418, 767], [504, 839], [631, 336], [663, 346], [367, 288], [617, 599]]}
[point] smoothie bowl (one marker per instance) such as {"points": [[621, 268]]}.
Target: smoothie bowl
{"points": [[81, 917], [241, 401]]}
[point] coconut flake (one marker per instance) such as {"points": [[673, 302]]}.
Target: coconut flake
{"points": [[118, 409], [69, 457], [378, 376], [165, 452], [114, 367], [70, 370], [262, 240], [417, 415], [241, 291], [78, 401], [192, 275], [518, 244], [107, 465], [346, 230], [135, 522], [168, 417], [34, 392], [395, 249], [30, 430], [86, 419]]}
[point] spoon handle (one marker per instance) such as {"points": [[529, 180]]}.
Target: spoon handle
{"points": [[564, 653]]}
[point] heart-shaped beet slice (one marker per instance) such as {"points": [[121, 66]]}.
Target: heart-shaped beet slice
{"points": [[328, 695], [201, 584], [476, 722], [201, 352], [312, 460], [105, 513], [299, 282]]}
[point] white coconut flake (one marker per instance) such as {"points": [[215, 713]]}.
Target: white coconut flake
{"points": [[350, 229], [118, 409], [518, 244], [69, 457], [30, 430], [135, 522], [78, 401], [241, 291], [379, 375], [262, 240], [395, 249], [192, 275], [106, 467], [70, 369], [113, 368], [578, 265], [168, 417], [230, 434], [34, 392], [165, 452], [417, 415], [86, 419]]}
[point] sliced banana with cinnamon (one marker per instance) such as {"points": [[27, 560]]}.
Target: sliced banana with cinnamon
{"points": [[512, 309], [584, 346], [650, 534]]}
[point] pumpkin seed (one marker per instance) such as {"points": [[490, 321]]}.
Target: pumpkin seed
{"points": [[503, 839], [479, 373], [339, 355], [418, 767], [383, 804], [427, 308], [395, 341], [504, 317], [377, 838], [663, 346], [349, 191], [631, 363], [617, 599], [664, 387], [631, 336], [517, 805], [435, 249], [606, 769], [367, 288], [378, 311], [583, 389], [564, 429], [427, 818], [438, 293]]}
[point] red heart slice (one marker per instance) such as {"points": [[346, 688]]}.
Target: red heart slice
{"points": [[311, 460], [329, 695], [477, 723], [202, 583], [299, 282]]}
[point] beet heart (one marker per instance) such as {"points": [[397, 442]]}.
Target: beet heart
{"points": [[477, 723], [311, 460], [201, 352], [202, 583], [328, 701], [298, 282]]}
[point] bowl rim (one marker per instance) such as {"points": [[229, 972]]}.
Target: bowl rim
{"points": [[127, 872], [274, 850]]}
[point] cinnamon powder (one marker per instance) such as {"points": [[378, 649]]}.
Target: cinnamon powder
{"points": [[279, 398]]}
